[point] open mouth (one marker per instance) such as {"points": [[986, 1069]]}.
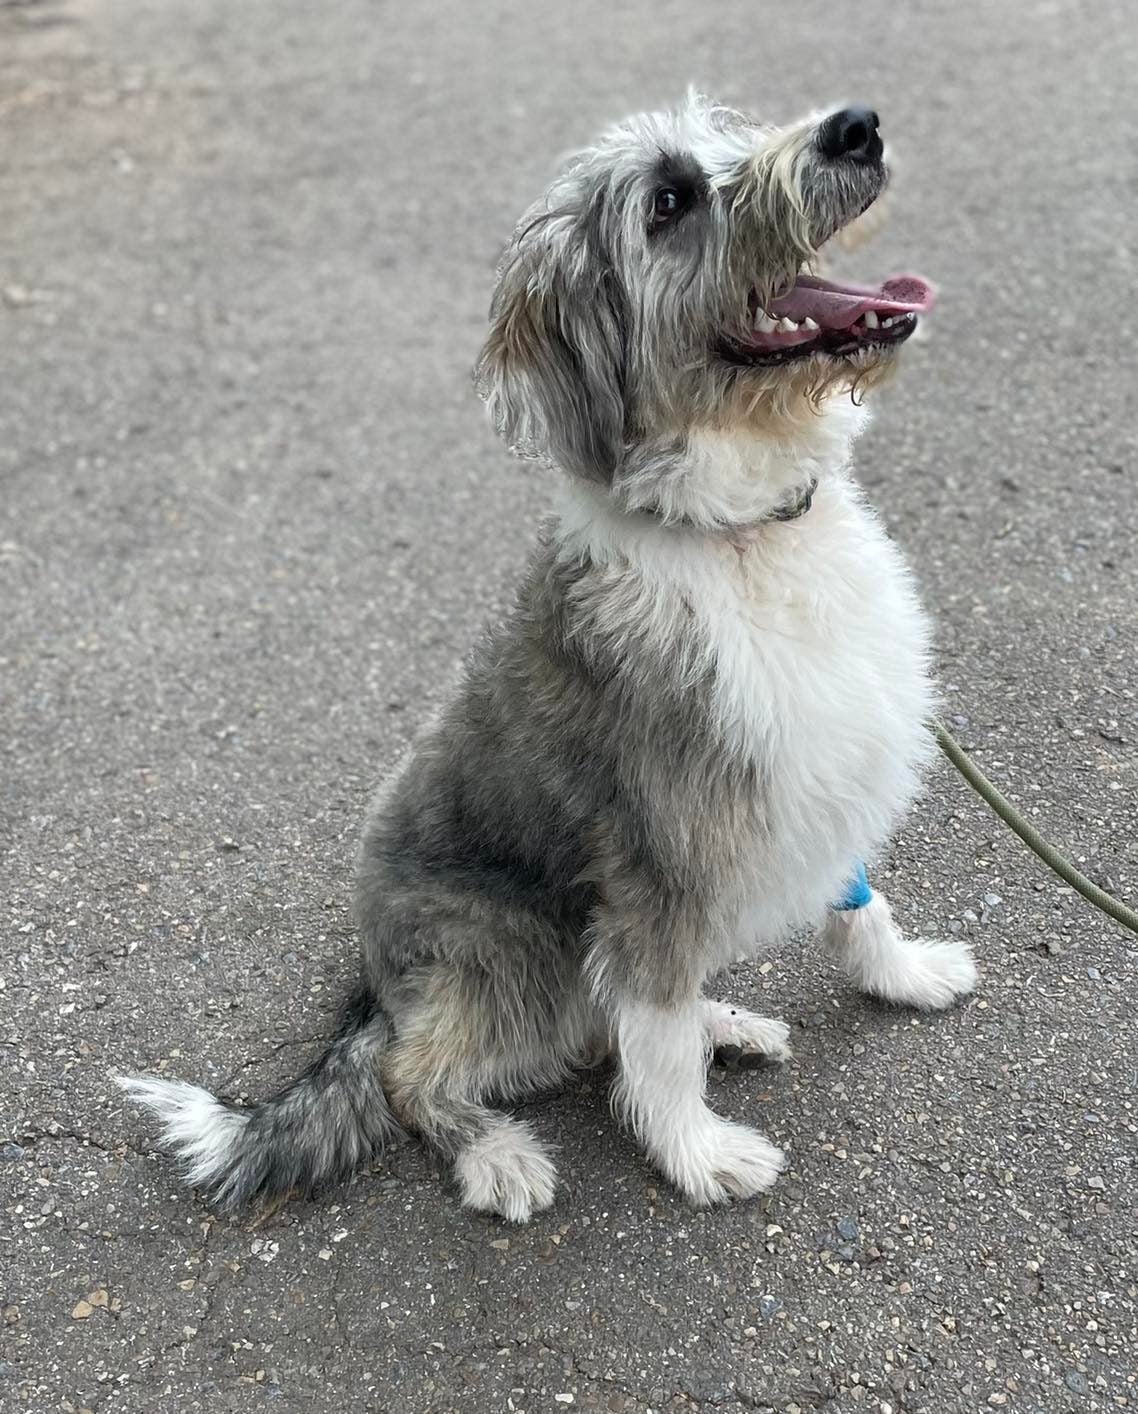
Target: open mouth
{"points": [[825, 316]]}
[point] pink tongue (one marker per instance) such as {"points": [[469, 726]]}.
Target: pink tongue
{"points": [[836, 306]]}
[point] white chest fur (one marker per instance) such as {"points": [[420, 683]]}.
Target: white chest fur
{"points": [[819, 648]]}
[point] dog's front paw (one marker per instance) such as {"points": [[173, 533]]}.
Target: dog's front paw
{"points": [[724, 1160], [927, 975], [886, 964]]}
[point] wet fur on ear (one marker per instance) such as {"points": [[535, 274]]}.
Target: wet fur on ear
{"points": [[552, 371]]}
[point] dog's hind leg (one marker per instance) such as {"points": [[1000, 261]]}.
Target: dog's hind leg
{"points": [[500, 1164], [467, 1034], [738, 1037], [861, 935], [505, 1169]]}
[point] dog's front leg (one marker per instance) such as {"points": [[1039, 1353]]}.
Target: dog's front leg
{"points": [[652, 942], [663, 1054], [861, 934], [645, 965]]}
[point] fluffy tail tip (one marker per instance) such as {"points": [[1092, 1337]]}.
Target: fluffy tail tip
{"points": [[196, 1126]]}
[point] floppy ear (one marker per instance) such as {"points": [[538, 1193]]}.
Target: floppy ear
{"points": [[552, 370]]}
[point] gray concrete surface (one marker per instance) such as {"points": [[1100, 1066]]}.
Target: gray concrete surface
{"points": [[250, 520]]}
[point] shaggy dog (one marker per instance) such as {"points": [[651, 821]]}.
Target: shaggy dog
{"points": [[708, 704]]}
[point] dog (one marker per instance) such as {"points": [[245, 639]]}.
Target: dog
{"points": [[708, 705]]}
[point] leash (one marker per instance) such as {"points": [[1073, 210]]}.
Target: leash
{"points": [[1031, 837]]}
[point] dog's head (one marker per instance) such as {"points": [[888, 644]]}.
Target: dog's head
{"points": [[662, 286]]}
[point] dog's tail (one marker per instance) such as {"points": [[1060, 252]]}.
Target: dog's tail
{"points": [[317, 1130]]}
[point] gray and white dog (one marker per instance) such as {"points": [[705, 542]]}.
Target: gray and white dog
{"points": [[707, 706]]}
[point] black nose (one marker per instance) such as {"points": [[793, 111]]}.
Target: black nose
{"points": [[851, 132]]}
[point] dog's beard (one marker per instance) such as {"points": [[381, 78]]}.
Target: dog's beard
{"points": [[774, 402]]}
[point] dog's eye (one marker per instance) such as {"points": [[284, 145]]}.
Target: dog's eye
{"points": [[669, 203], [678, 188]]}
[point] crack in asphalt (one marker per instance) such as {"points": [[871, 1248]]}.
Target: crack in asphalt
{"points": [[32, 1138], [225, 1083]]}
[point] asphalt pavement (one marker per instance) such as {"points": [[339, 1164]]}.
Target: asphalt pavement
{"points": [[250, 520]]}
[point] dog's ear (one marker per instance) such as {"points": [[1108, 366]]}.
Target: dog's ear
{"points": [[552, 370]]}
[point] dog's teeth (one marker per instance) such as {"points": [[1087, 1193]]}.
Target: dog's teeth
{"points": [[870, 319], [808, 323], [787, 326], [764, 323], [887, 323]]}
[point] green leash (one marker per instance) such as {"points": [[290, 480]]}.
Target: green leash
{"points": [[1028, 833]]}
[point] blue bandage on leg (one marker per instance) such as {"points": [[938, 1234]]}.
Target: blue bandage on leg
{"points": [[857, 894]]}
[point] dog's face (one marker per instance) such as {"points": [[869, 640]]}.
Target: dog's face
{"points": [[661, 286]]}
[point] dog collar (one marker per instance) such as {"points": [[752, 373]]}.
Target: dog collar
{"points": [[799, 506], [742, 537]]}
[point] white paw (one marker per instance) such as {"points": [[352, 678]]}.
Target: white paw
{"points": [[722, 1160], [884, 963], [508, 1171], [924, 974], [750, 1037]]}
